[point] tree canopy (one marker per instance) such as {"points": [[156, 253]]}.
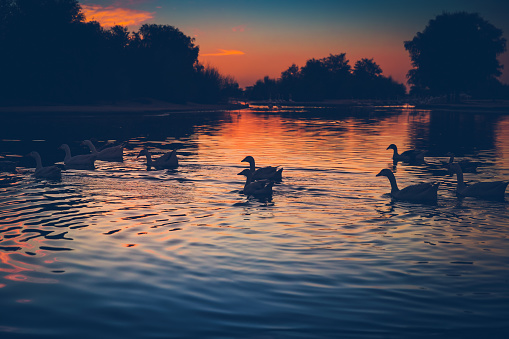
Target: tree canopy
{"points": [[50, 54], [455, 53], [331, 77]]}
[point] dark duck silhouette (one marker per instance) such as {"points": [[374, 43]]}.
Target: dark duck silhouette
{"points": [[166, 161], [113, 153], [263, 173], [256, 188], [45, 172], [407, 156], [82, 161], [425, 192], [492, 190]]}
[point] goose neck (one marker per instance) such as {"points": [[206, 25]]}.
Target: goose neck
{"points": [[38, 161], [392, 180], [91, 146]]}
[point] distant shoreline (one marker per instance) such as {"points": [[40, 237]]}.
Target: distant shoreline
{"points": [[147, 106], [125, 107]]}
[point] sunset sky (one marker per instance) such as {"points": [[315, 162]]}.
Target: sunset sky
{"points": [[250, 39]]}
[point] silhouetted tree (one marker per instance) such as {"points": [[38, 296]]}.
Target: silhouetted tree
{"points": [[455, 53]]}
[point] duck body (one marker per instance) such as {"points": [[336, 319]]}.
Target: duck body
{"points": [[424, 192], [263, 173], [256, 188], [491, 190], [114, 153], [166, 161], [83, 161], [407, 156], [45, 172]]}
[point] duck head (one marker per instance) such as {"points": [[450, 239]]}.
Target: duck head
{"points": [[392, 146], [245, 172], [142, 152], [248, 159], [384, 173]]}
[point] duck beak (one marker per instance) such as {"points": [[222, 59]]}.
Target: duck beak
{"points": [[388, 148], [379, 174]]}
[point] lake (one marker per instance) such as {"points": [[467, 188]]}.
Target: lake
{"points": [[122, 252]]}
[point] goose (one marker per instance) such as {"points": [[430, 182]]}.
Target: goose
{"points": [[46, 172], [425, 192], [269, 172], [408, 156], [257, 188], [484, 190], [114, 153], [7, 166], [466, 166], [83, 161], [166, 161]]}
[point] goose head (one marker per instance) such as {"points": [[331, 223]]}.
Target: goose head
{"points": [[392, 146], [245, 172], [384, 173], [142, 153], [248, 159]]}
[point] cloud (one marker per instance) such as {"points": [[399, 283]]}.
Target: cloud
{"points": [[224, 52], [110, 16]]}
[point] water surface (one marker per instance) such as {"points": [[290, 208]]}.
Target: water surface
{"points": [[123, 252]]}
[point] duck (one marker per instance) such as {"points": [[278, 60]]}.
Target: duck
{"points": [[485, 190], [166, 161], [83, 161], [114, 153], [263, 173], [408, 156], [256, 188], [7, 166], [45, 172], [466, 166], [424, 192]]}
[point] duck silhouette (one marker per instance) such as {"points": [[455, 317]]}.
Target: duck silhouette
{"points": [[82, 161], [114, 153], [424, 192], [494, 190], [263, 173], [45, 172], [166, 161], [256, 188], [407, 156]]}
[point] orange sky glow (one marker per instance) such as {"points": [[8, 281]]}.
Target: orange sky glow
{"points": [[248, 43], [111, 16]]}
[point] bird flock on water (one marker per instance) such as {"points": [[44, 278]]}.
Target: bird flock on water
{"points": [[260, 181]]}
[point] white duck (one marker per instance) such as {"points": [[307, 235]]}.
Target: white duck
{"points": [[425, 192], [114, 153], [83, 161], [46, 172], [263, 173], [166, 161], [256, 188], [408, 156], [483, 190]]}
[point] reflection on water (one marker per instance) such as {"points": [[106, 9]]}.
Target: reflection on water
{"points": [[122, 252]]}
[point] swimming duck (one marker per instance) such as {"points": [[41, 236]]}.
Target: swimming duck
{"points": [[408, 156], [166, 161], [466, 166], [425, 192], [257, 188], [82, 161], [484, 190], [114, 153], [46, 172], [263, 173]]}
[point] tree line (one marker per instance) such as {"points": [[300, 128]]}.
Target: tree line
{"points": [[50, 54], [331, 77]]}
